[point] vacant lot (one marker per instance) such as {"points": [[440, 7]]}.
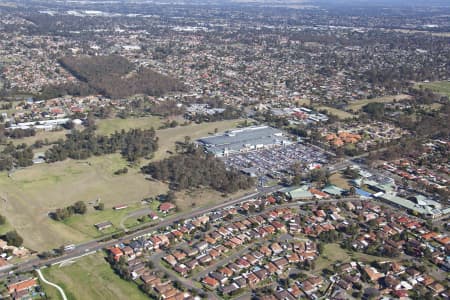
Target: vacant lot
{"points": [[34, 192], [358, 105], [334, 111], [339, 180], [333, 253], [441, 87], [108, 126], [92, 278], [168, 137], [203, 197]]}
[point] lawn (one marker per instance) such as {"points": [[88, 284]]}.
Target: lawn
{"points": [[441, 87], [358, 105], [108, 126], [92, 277], [334, 111], [33, 192]]}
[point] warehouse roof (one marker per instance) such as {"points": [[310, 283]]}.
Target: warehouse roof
{"points": [[244, 138]]}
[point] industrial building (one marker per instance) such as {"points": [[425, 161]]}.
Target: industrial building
{"points": [[244, 140], [418, 204]]}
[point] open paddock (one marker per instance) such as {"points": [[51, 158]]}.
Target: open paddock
{"points": [[108, 126], [359, 104], [35, 191], [441, 87], [334, 111]]}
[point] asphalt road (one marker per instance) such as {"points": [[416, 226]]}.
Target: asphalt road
{"points": [[95, 245]]}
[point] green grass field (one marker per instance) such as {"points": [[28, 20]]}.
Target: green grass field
{"points": [[108, 126], [33, 192], [358, 105], [441, 87], [91, 277], [334, 111]]}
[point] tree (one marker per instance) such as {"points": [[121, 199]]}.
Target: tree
{"points": [[2, 220], [170, 197], [80, 207], [320, 248], [371, 293], [13, 238]]}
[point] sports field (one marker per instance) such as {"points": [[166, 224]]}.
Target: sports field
{"points": [[91, 277]]}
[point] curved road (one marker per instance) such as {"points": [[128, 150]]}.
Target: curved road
{"points": [[61, 291]]}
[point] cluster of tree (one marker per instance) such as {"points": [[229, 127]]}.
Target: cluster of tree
{"points": [[70, 88], [121, 171], [330, 236], [61, 214], [133, 144], [424, 96], [432, 124], [116, 77], [13, 238], [20, 133], [166, 108], [5, 106], [351, 173], [15, 134], [194, 169], [230, 113], [374, 110], [120, 267], [16, 156]]}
